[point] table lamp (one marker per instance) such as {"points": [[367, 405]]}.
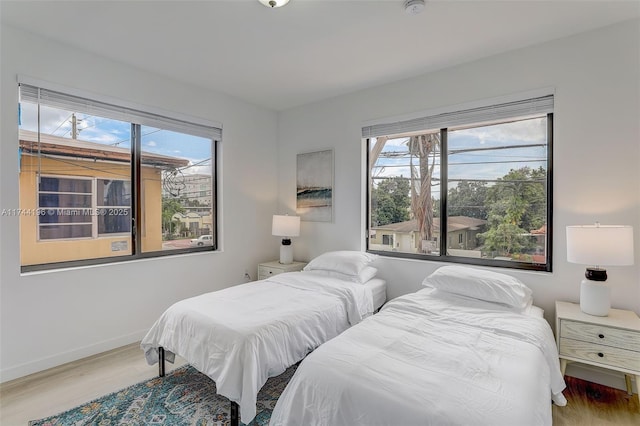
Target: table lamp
{"points": [[286, 227], [598, 245]]}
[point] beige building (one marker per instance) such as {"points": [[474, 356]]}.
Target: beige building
{"points": [[196, 223], [75, 199], [404, 237]]}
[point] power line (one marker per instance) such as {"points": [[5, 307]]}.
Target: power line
{"points": [[61, 123]]}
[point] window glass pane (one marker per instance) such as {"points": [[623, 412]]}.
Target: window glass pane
{"points": [[114, 220], [61, 215], [64, 200], [113, 206], [58, 232], [177, 190], [115, 193], [405, 193], [56, 184], [60, 169], [497, 191]]}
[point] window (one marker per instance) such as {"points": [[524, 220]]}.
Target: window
{"points": [[67, 208], [481, 177], [65, 204], [101, 182]]}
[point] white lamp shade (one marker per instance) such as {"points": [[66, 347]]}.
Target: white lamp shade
{"points": [[285, 226], [600, 245]]}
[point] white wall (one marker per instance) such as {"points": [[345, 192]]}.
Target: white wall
{"points": [[596, 167], [51, 318]]}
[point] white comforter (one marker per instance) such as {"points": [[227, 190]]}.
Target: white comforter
{"points": [[242, 335], [426, 360]]}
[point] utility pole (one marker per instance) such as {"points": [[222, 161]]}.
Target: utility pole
{"points": [[74, 126]]}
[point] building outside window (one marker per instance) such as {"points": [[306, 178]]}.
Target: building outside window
{"points": [[481, 177], [100, 182]]}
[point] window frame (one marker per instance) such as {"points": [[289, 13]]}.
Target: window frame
{"points": [[442, 256], [136, 165]]}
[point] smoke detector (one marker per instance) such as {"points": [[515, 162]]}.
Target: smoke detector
{"points": [[413, 7]]}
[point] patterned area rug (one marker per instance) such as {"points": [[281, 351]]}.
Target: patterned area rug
{"points": [[183, 397]]}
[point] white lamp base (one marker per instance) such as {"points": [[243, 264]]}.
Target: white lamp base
{"points": [[286, 254], [595, 298]]}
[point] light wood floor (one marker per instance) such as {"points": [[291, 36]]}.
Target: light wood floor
{"points": [[61, 388]]}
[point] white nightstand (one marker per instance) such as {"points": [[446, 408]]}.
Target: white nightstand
{"points": [[268, 269], [611, 342]]}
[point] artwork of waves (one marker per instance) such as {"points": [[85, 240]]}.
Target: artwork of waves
{"points": [[314, 195], [314, 204]]}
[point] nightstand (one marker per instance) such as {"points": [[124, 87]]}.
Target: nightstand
{"points": [[268, 269], [611, 342]]}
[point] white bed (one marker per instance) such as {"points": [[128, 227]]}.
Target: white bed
{"points": [[242, 335], [430, 358]]}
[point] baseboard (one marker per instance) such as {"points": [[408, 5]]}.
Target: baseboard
{"points": [[42, 364], [602, 376]]}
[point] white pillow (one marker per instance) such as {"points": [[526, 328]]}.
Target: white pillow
{"points": [[367, 273], [344, 262], [481, 284]]}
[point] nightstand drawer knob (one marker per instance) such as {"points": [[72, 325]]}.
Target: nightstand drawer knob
{"points": [[600, 354], [601, 336]]}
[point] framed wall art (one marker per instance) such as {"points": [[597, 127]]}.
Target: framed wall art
{"points": [[314, 185]]}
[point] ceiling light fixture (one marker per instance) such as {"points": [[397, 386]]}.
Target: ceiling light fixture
{"points": [[274, 3], [413, 7]]}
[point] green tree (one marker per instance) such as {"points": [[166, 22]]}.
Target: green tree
{"points": [[516, 204], [170, 206], [390, 201], [468, 199]]}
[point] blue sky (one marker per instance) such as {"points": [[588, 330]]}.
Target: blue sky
{"points": [[488, 164], [106, 131]]}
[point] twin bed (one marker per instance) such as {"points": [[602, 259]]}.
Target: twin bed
{"points": [[468, 349], [242, 335]]}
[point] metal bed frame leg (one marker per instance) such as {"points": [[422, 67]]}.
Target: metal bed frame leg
{"points": [[235, 420], [161, 361]]}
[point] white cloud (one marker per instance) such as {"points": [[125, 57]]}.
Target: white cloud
{"points": [[200, 169], [526, 131]]}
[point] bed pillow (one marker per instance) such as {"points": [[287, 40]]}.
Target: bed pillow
{"points": [[367, 273], [345, 262], [481, 284]]}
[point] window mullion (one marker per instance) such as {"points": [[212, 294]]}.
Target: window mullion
{"points": [[444, 185], [136, 208]]}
